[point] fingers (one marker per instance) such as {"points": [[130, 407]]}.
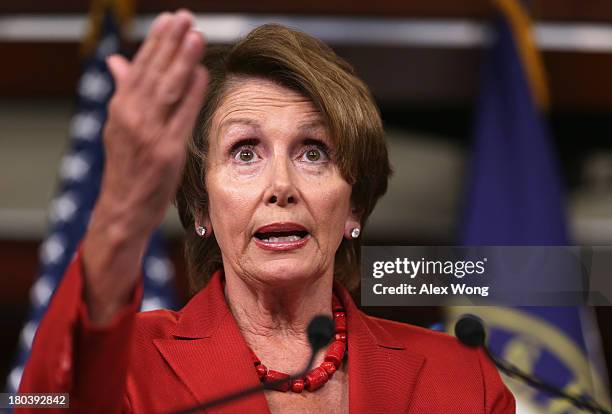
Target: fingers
{"points": [[170, 43], [187, 110], [179, 74], [165, 75], [119, 68], [147, 50]]}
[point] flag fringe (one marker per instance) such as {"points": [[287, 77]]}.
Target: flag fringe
{"points": [[123, 11], [520, 24]]}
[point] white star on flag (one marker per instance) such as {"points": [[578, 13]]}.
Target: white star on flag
{"points": [[86, 126], [74, 167], [15, 377], [42, 291], [52, 249], [95, 85], [63, 208], [158, 269], [27, 334]]}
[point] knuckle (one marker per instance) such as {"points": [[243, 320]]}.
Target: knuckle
{"points": [[168, 93], [152, 75], [122, 114], [130, 127]]}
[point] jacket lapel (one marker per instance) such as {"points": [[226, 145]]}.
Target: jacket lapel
{"points": [[209, 354], [382, 372]]}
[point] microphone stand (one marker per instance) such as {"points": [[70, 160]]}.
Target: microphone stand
{"points": [[470, 331]]}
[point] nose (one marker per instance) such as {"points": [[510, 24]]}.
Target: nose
{"points": [[281, 189]]}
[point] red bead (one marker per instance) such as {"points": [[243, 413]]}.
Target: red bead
{"points": [[261, 371], [340, 321], [316, 378], [297, 385], [335, 353], [329, 367], [274, 376]]}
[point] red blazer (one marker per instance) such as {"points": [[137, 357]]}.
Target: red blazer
{"points": [[159, 361]]}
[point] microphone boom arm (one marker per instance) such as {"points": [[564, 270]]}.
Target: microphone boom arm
{"points": [[469, 329]]}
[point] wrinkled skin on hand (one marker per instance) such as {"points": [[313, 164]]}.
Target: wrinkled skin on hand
{"points": [[151, 115]]}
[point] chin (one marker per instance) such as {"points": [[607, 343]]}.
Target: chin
{"points": [[286, 271]]}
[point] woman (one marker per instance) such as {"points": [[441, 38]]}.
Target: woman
{"points": [[285, 164]]}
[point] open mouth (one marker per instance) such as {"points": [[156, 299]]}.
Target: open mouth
{"points": [[281, 236]]}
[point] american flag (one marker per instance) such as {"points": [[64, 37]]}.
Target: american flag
{"points": [[80, 175]]}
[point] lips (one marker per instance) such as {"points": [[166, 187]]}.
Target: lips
{"points": [[281, 236]]}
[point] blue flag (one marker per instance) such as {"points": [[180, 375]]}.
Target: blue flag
{"points": [[515, 197], [79, 184]]}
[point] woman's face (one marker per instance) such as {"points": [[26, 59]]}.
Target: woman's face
{"points": [[279, 206]]}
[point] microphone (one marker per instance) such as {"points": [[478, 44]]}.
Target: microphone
{"points": [[469, 329], [320, 331]]}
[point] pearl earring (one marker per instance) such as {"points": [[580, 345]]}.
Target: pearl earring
{"points": [[201, 231], [355, 232]]}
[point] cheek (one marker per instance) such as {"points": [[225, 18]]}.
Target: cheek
{"points": [[332, 206], [231, 206]]}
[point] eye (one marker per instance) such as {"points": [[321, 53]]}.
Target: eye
{"points": [[317, 153], [313, 155], [246, 155], [244, 152]]}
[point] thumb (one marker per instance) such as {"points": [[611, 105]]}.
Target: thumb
{"points": [[119, 67]]}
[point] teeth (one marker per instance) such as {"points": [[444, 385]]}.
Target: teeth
{"points": [[282, 239]]}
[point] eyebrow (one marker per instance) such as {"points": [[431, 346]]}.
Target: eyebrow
{"points": [[312, 125]]}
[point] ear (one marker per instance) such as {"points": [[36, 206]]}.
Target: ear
{"points": [[353, 221]]}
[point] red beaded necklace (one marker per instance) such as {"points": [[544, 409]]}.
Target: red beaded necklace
{"points": [[316, 377]]}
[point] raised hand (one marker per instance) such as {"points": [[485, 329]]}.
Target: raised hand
{"points": [[152, 113]]}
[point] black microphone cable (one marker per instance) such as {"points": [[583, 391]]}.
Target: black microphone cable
{"points": [[320, 332], [469, 329]]}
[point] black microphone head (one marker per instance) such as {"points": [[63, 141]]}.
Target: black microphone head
{"points": [[469, 329], [320, 332]]}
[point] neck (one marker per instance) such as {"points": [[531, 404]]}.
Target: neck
{"points": [[273, 318]]}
